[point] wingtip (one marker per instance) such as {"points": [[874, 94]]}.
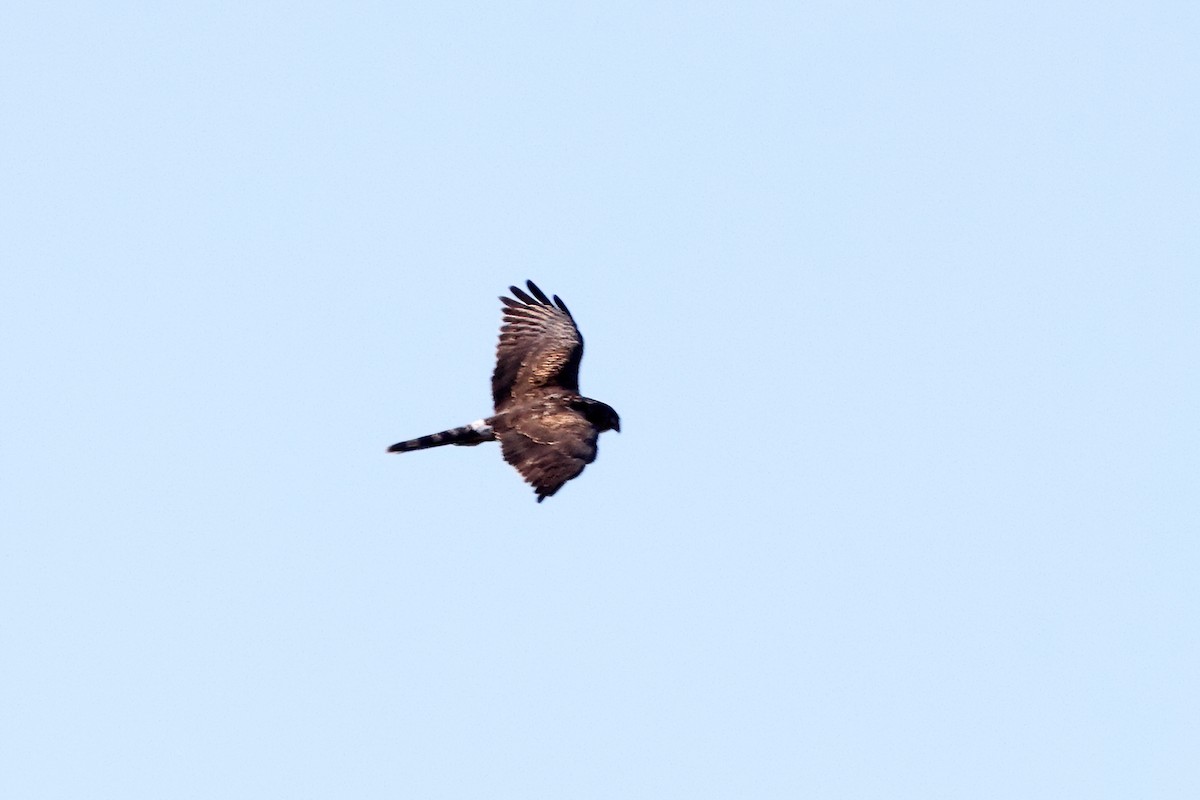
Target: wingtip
{"points": [[558, 302], [538, 293], [521, 295]]}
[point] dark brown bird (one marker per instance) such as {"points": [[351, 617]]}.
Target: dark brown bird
{"points": [[547, 430]]}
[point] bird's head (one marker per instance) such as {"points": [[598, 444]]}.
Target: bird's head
{"points": [[612, 421], [602, 415]]}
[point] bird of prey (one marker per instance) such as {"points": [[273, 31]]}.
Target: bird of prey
{"points": [[546, 429]]}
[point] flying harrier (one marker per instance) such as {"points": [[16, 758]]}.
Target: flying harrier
{"points": [[547, 430]]}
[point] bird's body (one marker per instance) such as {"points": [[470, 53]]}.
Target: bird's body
{"points": [[546, 429]]}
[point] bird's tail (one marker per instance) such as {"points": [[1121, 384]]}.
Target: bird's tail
{"points": [[477, 432]]}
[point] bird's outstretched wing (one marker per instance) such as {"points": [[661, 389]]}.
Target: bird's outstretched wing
{"points": [[540, 347], [549, 449]]}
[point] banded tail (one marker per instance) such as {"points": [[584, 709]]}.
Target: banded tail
{"points": [[477, 432]]}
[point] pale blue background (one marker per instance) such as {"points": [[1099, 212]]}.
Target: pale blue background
{"points": [[898, 303]]}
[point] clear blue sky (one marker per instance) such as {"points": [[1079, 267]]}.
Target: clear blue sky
{"points": [[898, 304]]}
